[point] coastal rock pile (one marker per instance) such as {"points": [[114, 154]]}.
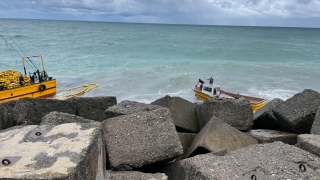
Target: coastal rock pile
{"points": [[171, 138]]}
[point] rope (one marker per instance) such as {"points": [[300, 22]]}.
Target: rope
{"points": [[86, 88]]}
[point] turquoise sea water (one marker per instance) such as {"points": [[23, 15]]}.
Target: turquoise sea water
{"points": [[144, 62]]}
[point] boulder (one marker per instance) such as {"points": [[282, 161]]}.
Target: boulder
{"points": [[270, 161], [7, 115], [66, 151], [263, 118], [140, 139], [128, 107], [270, 136], [235, 112], [186, 140], [56, 118], [30, 111], [315, 129], [310, 143], [93, 107], [218, 136], [297, 113], [183, 112], [132, 175]]}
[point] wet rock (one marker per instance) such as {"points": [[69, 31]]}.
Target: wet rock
{"points": [[183, 112], [140, 139], [310, 143], [67, 151], [7, 115], [30, 111], [186, 140], [93, 107], [56, 118], [270, 136], [132, 175], [235, 112], [270, 161], [128, 107], [315, 129], [264, 118], [297, 113], [217, 136]]}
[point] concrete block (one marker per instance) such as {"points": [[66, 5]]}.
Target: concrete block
{"points": [[217, 136], [140, 139], [315, 129], [183, 112], [56, 118], [128, 107], [235, 112], [270, 161], [134, 175], [297, 113], [68, 151], [310, 143], [93, 107], [270, 136]]}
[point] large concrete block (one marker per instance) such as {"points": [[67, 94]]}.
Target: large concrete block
{"points": [[7, 115], [134, 175], [310, 143], [270, 136], [30, 111], [217, 136], [235, 112], [68, 151], [264, 118], [183, 112], [139, 139], [128, 107], [270, 161], [56, 118], [93, 107], [186, 140], [315, 129], [297, 113]]}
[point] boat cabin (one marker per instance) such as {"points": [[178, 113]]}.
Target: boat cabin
{"points": [[211, 89]]}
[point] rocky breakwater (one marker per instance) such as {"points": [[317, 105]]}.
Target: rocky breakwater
{"points": [[170, 138]]}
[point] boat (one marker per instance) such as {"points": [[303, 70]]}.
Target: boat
{"points": [[36, 84], [207, 90]]}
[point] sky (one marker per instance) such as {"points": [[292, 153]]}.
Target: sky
{"points": [[284, 13]]}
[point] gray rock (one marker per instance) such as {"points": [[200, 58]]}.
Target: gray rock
{"points": [[128, 107], [164, 102], [310, 143], [134, 175], [315, 129], [56, 118], [7, 115], [297, 113], [183, 112], [235, 112], [30, 111], [139, 139], [270, 136], [186, 140], [264, 118], [68, 151], [93, 107], [217, 136], [270, 161]]}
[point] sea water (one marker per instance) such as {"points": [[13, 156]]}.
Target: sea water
{"points": [[144, 62]]}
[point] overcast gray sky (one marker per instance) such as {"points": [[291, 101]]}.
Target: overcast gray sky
{"points": [[297, 13]]}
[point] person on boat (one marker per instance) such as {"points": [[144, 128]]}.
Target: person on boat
{"points": [[210, 80], [21, 80], [35, 77]]}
